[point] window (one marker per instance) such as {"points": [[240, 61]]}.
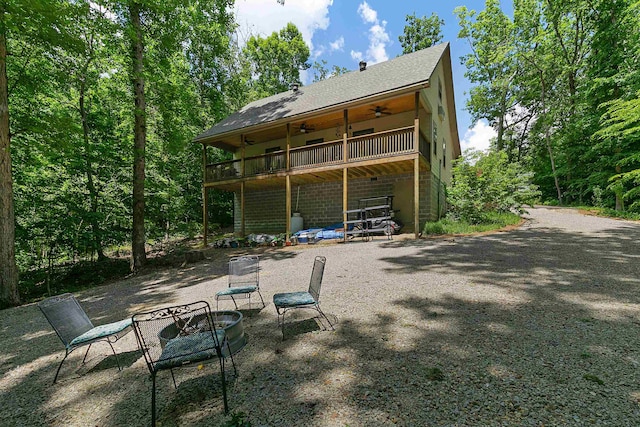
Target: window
{"points": [[439, 89], [315, 141], [444, 153], [362, 132], [271, 150], [435, 139]]}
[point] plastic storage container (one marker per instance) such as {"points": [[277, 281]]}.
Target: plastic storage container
{"points": [[296, 223]]}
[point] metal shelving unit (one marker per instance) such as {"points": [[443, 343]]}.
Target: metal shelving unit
{"points": [[373, 216]]}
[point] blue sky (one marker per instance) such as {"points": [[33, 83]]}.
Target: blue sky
{"points": [[342, 32]]}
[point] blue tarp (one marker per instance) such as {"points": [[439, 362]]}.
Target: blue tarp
{"points": [[322, 233]]}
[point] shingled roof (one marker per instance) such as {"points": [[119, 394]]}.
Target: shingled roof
{"points": [[385, 77]]}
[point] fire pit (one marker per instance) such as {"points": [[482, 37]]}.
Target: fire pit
{"points": [[230, 321]]}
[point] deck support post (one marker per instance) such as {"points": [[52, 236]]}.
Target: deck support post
{"points": [[288, 186], [416, 166], [416, 196], [242, 231], [205, 217], [288, 208], [345, 199]]}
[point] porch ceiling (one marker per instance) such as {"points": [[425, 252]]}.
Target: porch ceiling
{"points": [[329, 120]]}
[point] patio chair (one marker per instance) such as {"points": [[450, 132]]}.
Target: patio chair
{"points": [[244, 279], [75, 330], [309, 299], [180, 335]]}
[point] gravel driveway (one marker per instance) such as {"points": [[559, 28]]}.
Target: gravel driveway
{"points": [[537, 326]]}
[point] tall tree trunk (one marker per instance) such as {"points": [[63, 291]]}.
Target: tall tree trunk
{"points": [[547, 138], [93, 193], [138, 254], [8, 269]]}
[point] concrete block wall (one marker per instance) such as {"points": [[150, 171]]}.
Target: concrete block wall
{"points": [[321, 204]]}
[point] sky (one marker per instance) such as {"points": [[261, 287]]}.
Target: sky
{"points": [[343, 32]]}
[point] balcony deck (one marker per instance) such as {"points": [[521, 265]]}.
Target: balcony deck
{"points": [[388, 152]]}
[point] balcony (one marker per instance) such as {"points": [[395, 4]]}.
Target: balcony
{"points": [[381, 146]]}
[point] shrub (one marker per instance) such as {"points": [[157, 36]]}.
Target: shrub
{"points": [[487, 182]]}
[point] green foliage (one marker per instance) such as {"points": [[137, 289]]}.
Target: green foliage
{"points": [[73, 156], [321, 72], [421, 33], [492, 221], [488, 182], [596, 199], [276, 61]]}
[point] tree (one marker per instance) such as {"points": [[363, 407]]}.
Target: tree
{"points": [[138, 250], [276, 61], [8, 268], [321, 72], [421, 33], [491, 65]]}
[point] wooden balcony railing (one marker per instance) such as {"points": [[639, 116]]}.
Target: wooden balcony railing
{"points": [[317, 155], [360, 148], [223, 171], [381, 144], [265, 163]]}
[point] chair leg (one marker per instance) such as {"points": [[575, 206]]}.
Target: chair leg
{"points": [[224, 382], [60, 366], [85, 355], [234, 301], [261, 299], [114, 353], [282, 324], [325, 317], [153, 400], [235, 371], [175, 385]]}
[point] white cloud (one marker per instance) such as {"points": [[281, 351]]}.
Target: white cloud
{"points": [[338, 44], [378, 36], [368, 15], [263, 17], [478, 137], [356, 56]]}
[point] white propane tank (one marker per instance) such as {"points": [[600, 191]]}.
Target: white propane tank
{"points": [[296, 222]]}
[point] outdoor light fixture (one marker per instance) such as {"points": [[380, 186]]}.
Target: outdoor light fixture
{"points": [[378, 112]]}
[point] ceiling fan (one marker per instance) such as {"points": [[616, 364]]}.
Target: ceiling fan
{"points": [[303, 128], [379, 111]]}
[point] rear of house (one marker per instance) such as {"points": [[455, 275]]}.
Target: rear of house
{"points": [[388, 129]]}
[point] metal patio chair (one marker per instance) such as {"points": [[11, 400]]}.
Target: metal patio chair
{"points": [[244, 279], [74, 328], [309, 299], [175, 336]]}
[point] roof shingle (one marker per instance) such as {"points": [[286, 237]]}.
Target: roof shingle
{"points": [[395, 74]]}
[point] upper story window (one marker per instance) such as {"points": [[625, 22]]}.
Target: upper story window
{"points": [[444, 153], [362, 132], [314, 141], [435, 139], [439, 89]]}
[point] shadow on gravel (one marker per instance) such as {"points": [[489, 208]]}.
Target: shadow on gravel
{"points": [[536, 326]]}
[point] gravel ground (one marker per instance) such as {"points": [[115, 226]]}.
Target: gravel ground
{"points": [[537, 326]]}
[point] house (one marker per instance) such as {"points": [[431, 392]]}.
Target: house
{"points": [[385, 129]]}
